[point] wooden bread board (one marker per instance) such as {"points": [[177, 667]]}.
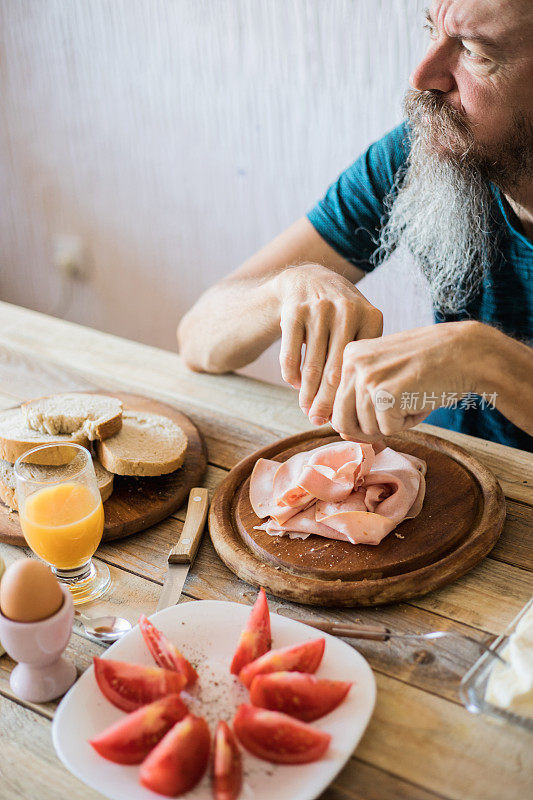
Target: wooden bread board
{"points": [[461, 520], [138, 503]]}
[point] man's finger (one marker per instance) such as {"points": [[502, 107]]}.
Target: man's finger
{"points": [[388, 413], [371, 324], [366, 412], [344, 416], [316, 345], [322, 406], [290, 357]]}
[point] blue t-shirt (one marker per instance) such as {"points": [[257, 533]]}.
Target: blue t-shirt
{"points": [[349, 218]]}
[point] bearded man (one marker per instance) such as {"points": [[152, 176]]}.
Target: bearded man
{"points": [[452, 186]]}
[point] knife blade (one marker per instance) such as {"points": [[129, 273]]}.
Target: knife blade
{"points": [[182, 554]]}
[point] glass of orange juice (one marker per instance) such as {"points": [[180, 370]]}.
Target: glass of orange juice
{"points": [[62, 516]]}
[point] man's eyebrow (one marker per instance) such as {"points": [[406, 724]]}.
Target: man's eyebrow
{"points": [[469, 37]]}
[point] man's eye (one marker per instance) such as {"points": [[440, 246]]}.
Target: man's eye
{"points": [[471, 55], [431, 29]]}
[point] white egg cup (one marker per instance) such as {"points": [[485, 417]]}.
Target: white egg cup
{"points": [[42, 673]]}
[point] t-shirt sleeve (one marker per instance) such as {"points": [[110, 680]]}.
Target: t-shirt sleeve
{"points": [[350, 214]]}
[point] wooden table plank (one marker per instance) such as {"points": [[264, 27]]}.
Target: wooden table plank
{"points": [[512, 467], [515, 545], [449, 748], [30, 768], [488, 597], [361, 781]]}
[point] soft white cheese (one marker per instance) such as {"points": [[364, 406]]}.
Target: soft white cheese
{"points": [[510, 685]]}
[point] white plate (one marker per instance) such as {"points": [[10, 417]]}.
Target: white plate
{"points": [[207, 631]]}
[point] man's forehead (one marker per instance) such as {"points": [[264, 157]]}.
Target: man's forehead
{"points": [[497, 20]]}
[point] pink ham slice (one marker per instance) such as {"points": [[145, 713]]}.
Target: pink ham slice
{"points": [[335, 470], [330, 472], [342, 491], [353, 520], [286, 487], [261, 492], [303, 524], [395, 483]]}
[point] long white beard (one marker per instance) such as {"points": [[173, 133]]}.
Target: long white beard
{"points": [[441, 215]]}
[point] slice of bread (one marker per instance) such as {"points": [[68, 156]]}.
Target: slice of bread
{"points": [[16, 439], [104, 479], [8, 493], [96, 416], [147, 444]]}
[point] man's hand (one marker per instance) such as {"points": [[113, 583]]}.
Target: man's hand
{"points": [[393, 383], [324, 311]]}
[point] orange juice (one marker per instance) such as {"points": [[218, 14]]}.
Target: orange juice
{"points": [[63, 524]]}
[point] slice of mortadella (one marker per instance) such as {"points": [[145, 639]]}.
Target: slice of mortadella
{"points": [[286, 485], [340, 491], [395, 485], [418, 463], [334, 471], [302, 523], [330, 472], [262, 493], [352, 519]]}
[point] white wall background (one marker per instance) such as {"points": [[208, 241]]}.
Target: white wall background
{"points": [[175, 137]]}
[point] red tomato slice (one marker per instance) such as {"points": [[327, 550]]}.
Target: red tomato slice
{"points": [[166, 654], [277, 738], [130, 739], [300, 658], [298, 694], [255, 638], [130, 686], [227, 765], [179, 760]]}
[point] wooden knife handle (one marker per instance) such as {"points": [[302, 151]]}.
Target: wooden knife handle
{"points": [[185, 548], [349, 630]]}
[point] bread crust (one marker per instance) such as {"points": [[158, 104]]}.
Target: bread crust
{"points": [[109, 427], [103, 430], [11, 449], [136, 465]]}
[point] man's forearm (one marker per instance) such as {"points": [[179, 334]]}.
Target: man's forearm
{"points": [[230, 325], [505, 369]]}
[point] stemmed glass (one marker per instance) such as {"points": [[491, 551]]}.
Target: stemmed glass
{"points": [[62, 516]]}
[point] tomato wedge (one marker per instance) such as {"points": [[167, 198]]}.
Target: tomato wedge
{"points": [[255, 638], [166, 654], [278, 738], [298, 694], [130, 686], [227, 765], [180, 759], [130, 739], [304, 657]]}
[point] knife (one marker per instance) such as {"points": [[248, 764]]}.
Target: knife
{"points": [[182, 554]]}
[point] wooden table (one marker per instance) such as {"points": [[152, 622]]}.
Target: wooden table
{"points": [[421, 743]]}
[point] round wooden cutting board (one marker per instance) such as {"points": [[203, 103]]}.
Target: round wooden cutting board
{"points": [[461, 520], [138, 503]]}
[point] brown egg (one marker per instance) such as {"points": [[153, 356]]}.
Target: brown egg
{"points": [[29, 591]]}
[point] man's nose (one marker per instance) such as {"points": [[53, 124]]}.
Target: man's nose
{"points": [[434, 72]]}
